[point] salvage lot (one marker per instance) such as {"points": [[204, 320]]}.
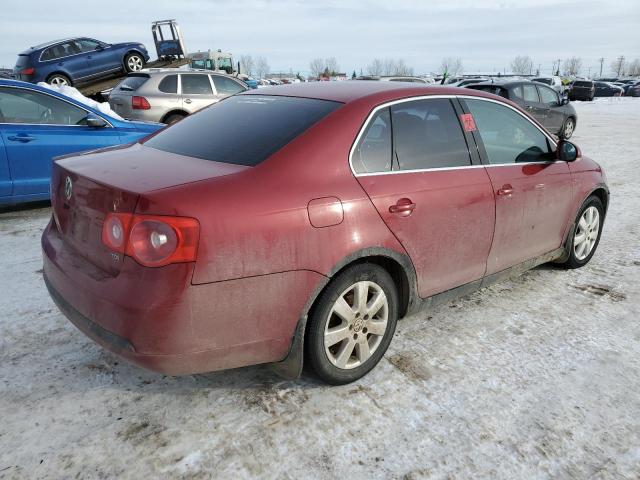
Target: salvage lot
{"points": [[535, 377]]}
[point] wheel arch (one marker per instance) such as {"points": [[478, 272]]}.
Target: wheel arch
{"points": [[398, 265], [175, 111], [61, 72]]}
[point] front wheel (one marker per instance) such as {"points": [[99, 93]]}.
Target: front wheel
{"points": [[586, 235], [352, 324], [568, 128], [133, 62]]}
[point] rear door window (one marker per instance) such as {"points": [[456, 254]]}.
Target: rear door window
{"points": [[226, 86], [196, 85], [507, 136], [374, 150], [427, 134], [169, 84], [242, 129]]}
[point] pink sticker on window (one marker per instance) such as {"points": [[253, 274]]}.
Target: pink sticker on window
{"points": [[468, 123]]}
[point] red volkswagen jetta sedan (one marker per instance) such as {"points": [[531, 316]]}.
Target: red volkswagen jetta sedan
{"points": [[302, 221]]}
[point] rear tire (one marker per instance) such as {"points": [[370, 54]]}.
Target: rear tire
{"points": [[173, 118], [586, 236], [133, 62], [59, 80], [352, 323]]}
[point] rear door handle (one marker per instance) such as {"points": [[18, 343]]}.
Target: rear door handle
{"points": [[21, 137], [187, 100], [506, 190], [403, 207]]}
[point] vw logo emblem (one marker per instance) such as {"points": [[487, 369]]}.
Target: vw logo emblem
{"points": [[68, 188]]}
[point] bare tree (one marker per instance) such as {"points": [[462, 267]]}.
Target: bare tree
{"points": [[618, 66], [246, 64], [572, 66], [375, 68], [452, 66], [633, 68], [331, 64], [522, 65], [316, 67], [262, 67], [402, 69]]}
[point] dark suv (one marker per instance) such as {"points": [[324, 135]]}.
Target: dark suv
{"points": [[78, 60], [582, 90], [542, 102]]}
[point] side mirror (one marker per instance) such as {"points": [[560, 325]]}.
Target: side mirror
{"points": [[564, 101], [95, 121], [567, 151]]}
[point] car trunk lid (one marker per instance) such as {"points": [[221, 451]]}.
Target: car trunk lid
{"points": [[85, 188]]}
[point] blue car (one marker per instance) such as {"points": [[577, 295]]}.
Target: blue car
{"points": [[37, 124], [75, 61]]}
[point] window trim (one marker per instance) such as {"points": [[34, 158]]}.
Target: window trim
{"points": [[426, 97], [73, 54], [109, 124]]}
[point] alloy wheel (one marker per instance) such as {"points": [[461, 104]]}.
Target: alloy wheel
{"points": [[58, 81], [568, 128], [356, 325], [586, 233], [134, 63]]}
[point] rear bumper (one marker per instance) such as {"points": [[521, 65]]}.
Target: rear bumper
{"points": [[155, 318]]}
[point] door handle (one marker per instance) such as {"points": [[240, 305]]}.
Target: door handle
{"points": [[187, 100], [529, 107], [506, 190], [403, 207], [21, 137]]}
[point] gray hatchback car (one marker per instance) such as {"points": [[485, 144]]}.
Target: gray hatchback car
{"points": [[168, 95]]}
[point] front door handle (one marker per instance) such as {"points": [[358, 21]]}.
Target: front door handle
{"points": [[187, 100], [21, 137], [403, 207], [506, 190]]}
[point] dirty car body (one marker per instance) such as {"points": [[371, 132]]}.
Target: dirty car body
{"points": [[264, 228]]}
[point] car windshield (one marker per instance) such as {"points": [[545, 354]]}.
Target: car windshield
{"points": [[242, 130], [578, 83]]}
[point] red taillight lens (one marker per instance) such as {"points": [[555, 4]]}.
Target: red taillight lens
{"points": [[140, 103], [28, 71], [114, 231], [151, 240]]}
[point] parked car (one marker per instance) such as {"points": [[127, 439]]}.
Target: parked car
{"points": [[582, 90], [300, 224], [542, 102], [168, 95], [37, 124], [75, 61], [249, 81], [554, 82], [606, 89], [631, 87]]}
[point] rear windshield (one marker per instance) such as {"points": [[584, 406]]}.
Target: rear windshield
{"points": [[578, 83], [244, 129], [543, 80], [496, 90], [22, 60], [132, 83]]}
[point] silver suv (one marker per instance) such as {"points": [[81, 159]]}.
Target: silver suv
{"points": [[168, 95]]}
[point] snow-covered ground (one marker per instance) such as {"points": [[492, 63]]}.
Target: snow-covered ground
{"points": [[537, 377]]}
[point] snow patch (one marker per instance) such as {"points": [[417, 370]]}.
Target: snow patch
{"points": [[74, 93]]}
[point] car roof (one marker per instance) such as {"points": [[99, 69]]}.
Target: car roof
{"points": [[351, 90]]}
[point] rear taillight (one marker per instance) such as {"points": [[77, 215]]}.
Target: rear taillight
{"points": [[152, 240], [140, 103], [27, 71]]}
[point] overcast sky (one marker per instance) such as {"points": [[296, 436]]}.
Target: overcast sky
{"points": [[290, 33]]}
